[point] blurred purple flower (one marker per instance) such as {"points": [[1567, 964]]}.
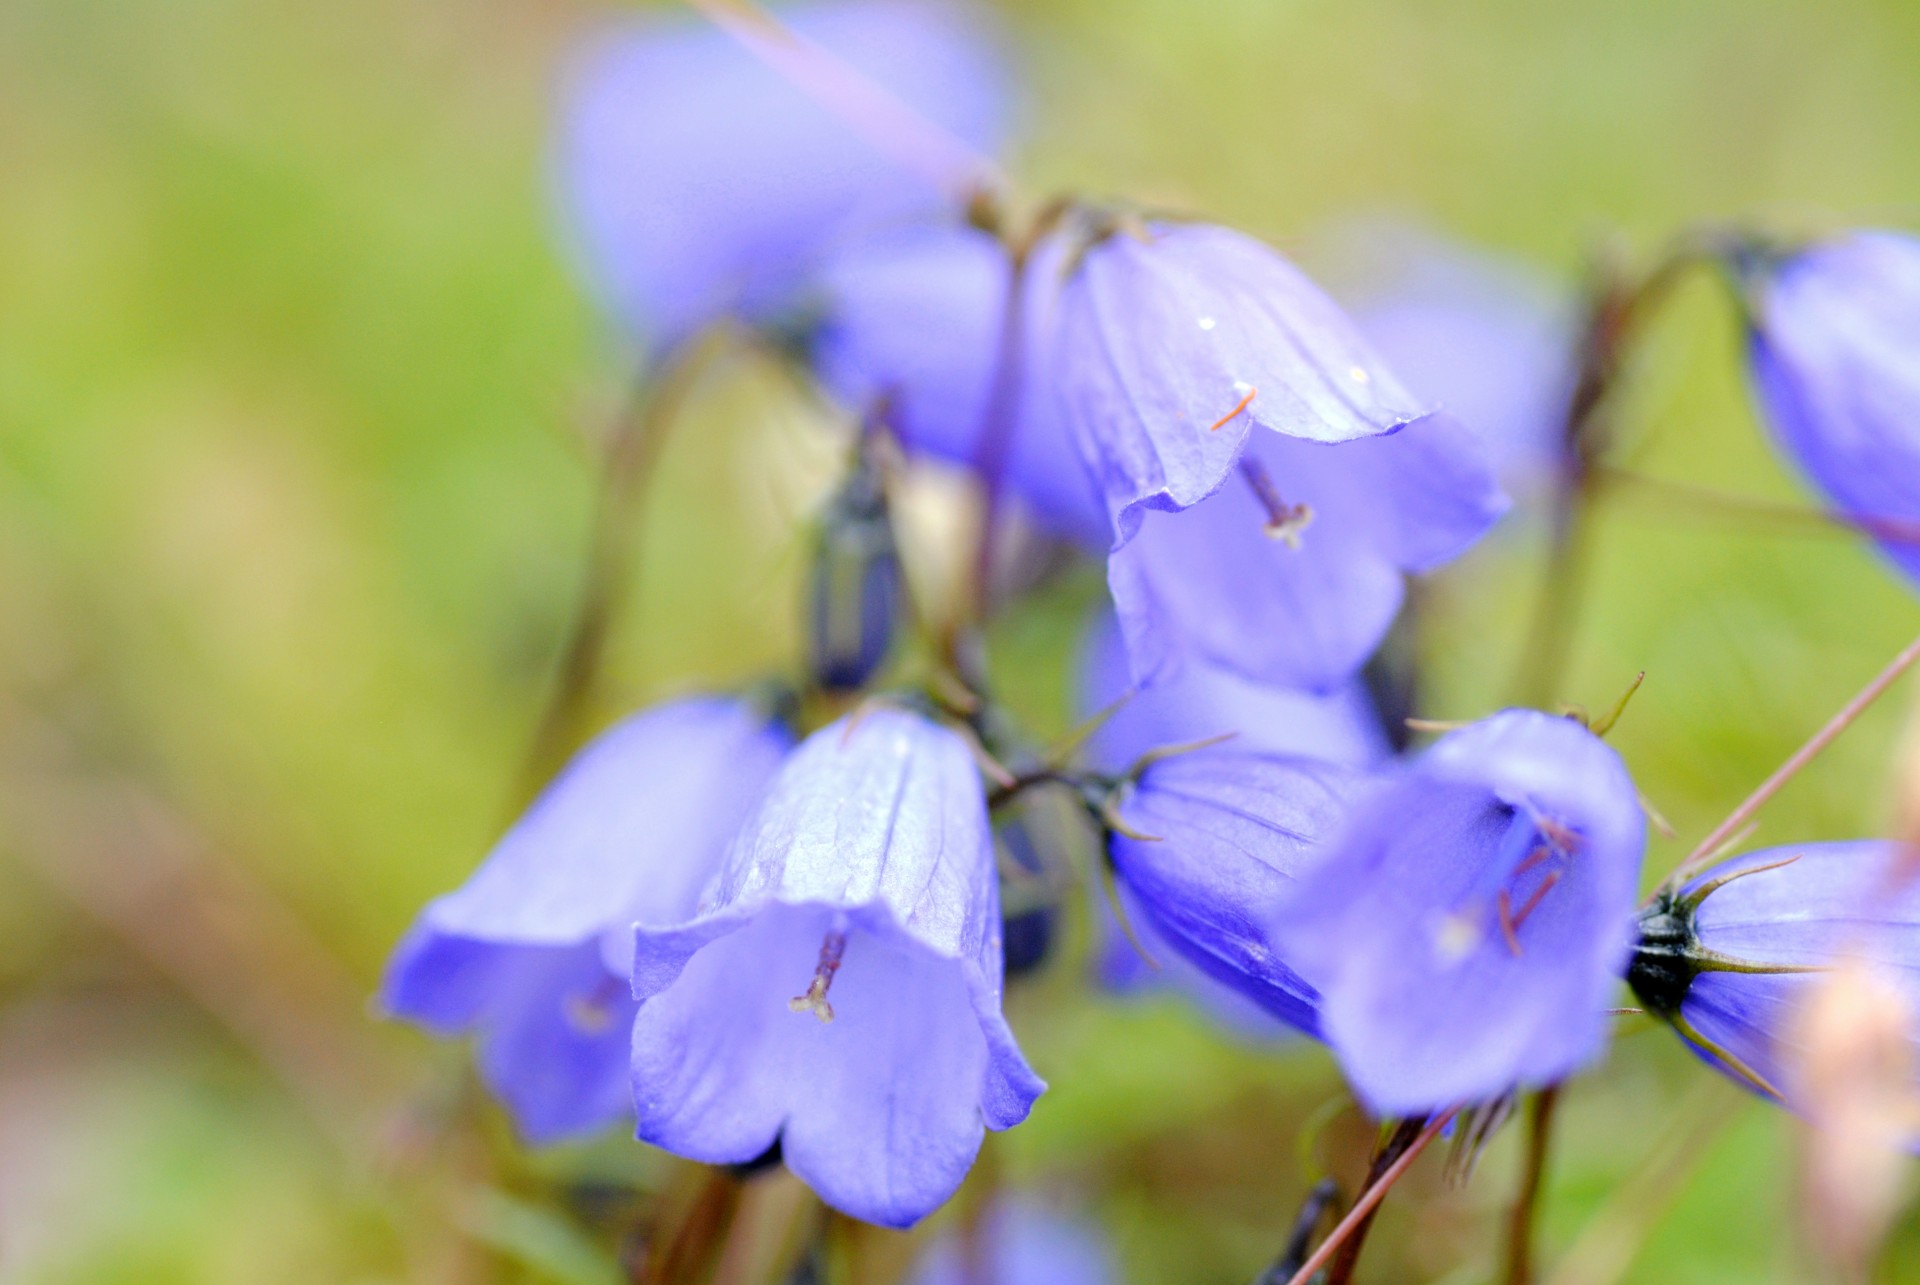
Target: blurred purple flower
{"points": [[1020, 1244], [916, 316], [1174, 345], [1229, 833], [1489, 341], [1468, 927], [1836, 359], [1293, 573], [1204, 701], [532, 952], [1818, 902], [866, 875], [698, 181]]}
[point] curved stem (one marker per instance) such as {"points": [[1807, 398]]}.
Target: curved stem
{"points": [[1830, 732], [1540, 1119], [632, 450], [1359, 1218]]}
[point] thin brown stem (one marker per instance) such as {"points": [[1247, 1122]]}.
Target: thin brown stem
{"points": [[1688, 500], [1361, 1215], [1391, 1148], [1520, 1222], [1830, 732], [633, 448]]}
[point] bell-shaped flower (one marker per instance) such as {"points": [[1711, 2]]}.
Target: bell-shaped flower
{"points": [[1836, 361], [917, 317], [1292, 572], [532, 953], [1018, 1243], [840, 989], [1733, 959], [1468, 926], [1206, 843], [698, 181], [1176, 343], [1204, 701]]}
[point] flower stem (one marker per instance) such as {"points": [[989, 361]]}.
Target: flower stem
{"points": [[632, 450], [1360, 1218], [1520, 1222], [1840, 722]]}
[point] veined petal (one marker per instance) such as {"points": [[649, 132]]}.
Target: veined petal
{"points": [[1232, 832], [1173, 347]]}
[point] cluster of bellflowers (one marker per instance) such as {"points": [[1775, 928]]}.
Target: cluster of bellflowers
{"points": [[779, 922]]}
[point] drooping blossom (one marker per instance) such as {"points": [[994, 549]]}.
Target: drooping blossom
{"points": [[1835, 347], [1177, 342], [840, 988], [697, 181], [1019, 1243], [532, 954], [1210, 842], [916, 316], [855, 594], [1733, 959], [1292, 572], [1468, 926]]}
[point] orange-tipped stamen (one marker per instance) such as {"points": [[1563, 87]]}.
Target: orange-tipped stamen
{"points": [[1507, 926], [1238, 406], [1533, 902]]}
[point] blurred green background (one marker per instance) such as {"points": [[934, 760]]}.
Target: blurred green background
{"points": [[297, 410]]}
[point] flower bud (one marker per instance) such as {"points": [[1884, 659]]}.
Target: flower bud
{"points": [[853, 601]]}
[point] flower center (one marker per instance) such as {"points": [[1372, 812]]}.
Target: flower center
{"points": [[592, 1013], [814, 1000]]}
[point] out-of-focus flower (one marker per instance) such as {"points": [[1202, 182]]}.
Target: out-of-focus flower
{"points": [[1483, 338], [916, 317], [1204, 701], [840, 990], [1467, 927], [855, 596], [532, 952], [1854, 1080], [1213, 839], [1733, 959], [1017, 1243], [1176, 343], [1836, 359], [698, 181], [1292, 573]]}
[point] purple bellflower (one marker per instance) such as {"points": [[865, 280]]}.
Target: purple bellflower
{"points": [[1209, 842], [839, 990], [916, 316], [699, 181], [1731, 959], [1467, 928], [1020, 1244], [1292, 573], [1176, 343], [532, 953], [1836, 359]]}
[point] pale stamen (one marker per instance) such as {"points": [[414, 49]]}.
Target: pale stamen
{"points": [[1284, 521], [592, 1013], [815, 999]]}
